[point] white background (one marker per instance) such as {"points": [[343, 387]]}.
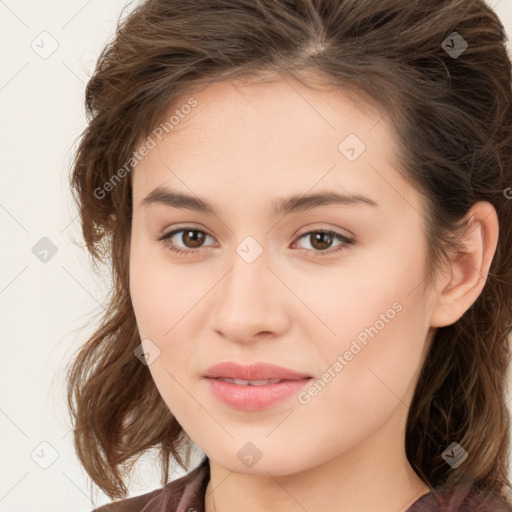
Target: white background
{"points": [[44, 306]]}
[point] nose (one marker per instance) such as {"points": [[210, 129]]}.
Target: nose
{"points": [[250, 302]]}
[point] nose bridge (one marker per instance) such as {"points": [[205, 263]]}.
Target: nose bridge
{"points": [[245, 282], [245, 303]]}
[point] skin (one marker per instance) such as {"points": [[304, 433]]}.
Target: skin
{"points": [[240, 148]]}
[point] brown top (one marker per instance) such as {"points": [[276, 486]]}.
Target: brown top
{"points": [[187, 494]]}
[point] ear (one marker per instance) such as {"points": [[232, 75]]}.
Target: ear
{"points": [[460, 286]]}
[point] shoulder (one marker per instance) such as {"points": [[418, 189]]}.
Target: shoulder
{"points": [[459, 500], [187, 491], [134, 504]]}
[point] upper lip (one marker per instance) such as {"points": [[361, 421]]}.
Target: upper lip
{"points": [[255, 371]]}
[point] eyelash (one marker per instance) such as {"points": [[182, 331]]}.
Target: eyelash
{"points": [[178, 250]]}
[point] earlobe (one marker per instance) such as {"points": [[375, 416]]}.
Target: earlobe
{"points": [[465, 279]]}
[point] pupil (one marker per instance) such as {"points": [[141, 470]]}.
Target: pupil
{"points": [[320, 236], [324, 239], [196, 240]]}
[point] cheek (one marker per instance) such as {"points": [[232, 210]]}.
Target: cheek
{"points": [[157, 294], [165, 305], [370, 371], [378, 350], [160, 312], [380, 325]]}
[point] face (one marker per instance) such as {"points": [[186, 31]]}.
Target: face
{"points": [[330, 290]]}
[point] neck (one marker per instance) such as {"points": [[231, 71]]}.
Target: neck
{"points": [[374, 476]]}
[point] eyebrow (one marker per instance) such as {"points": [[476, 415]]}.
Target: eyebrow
{"points": [[298, 203]]}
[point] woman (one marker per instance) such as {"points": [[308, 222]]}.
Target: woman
{"points": [[306, 208]]}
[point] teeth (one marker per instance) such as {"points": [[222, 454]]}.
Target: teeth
{"points": [[241, 382]]}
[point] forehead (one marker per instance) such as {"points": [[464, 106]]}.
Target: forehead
{"points": [[284, 109], [257, 140]]}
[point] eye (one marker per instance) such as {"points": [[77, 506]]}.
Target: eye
{"points": [[320, 239], [194, 238]]}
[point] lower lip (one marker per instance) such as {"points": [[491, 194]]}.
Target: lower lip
{"points": [[255, 398]]}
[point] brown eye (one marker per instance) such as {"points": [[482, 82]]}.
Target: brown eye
{"points": [[322, 240], [193, 238]]}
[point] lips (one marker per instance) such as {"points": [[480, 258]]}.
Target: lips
{"points": [[255, 398], [253, 372]]}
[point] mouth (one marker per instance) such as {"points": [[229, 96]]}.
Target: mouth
{"points": [[253, 387], [242, 382], [255, 372], [254, 395]]}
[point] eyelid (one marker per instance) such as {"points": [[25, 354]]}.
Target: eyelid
{"points": [[184, 227], [299, 233], [314, 228], [169, 234], [345, 241]]}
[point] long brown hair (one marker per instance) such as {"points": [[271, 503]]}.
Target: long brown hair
{"points": [[451, 107]]}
